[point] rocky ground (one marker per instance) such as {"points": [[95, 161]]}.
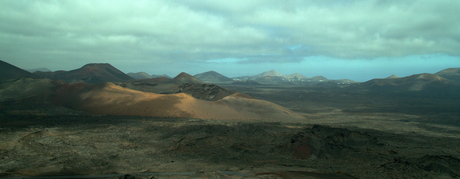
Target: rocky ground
{"points": [[113, 146], [346, 134]]}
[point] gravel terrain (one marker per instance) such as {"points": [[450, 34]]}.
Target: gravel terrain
{"points": [[70, 145]]}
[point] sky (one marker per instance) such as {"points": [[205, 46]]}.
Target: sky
{"points": [[338, 39]]}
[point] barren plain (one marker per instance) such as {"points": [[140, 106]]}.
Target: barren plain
{"points": [[345, 134]]}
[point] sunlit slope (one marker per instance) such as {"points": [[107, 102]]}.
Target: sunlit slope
{"points": [[139, 75], [110, 99], [186, 78], [450, 74]]}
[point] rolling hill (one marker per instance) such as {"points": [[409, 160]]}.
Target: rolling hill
{"points": [[186, 78], [139, 75], [419, 82], [163, 75], [392, 76], [212, 77], [110, 99], [295, 76], [318, 78], [90, 73], [261, 75], [42, 69], [450, 74], [273, 77], [9, 72]]}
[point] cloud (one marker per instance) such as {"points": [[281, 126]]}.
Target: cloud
{"points": [[203, 30]]}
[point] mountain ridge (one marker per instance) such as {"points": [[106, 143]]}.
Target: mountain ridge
{"points": [[9, 72], [212, 77]]}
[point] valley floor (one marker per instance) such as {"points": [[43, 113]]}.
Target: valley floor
{"points": [[362, 138]]}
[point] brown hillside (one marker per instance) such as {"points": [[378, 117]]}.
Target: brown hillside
{"points": [[92, 73], [186, 78], [110, 99], [139, 75], [418, 82], [450, 74]]}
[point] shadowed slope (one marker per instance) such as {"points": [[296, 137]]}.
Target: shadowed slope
{"points": [[418, 82], [8, 72], [90, 73], [24, 88], [450, 74]]}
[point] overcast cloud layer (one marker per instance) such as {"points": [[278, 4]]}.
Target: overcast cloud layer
{"points": [[176, 31]]}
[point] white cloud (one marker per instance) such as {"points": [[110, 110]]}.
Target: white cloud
{"points": [[205, 29]]}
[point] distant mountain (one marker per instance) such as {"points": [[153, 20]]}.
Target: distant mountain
{"points": [[269, 73], [342, 81], [90, 73], [163, 75], [275, 77], [49, 74], [392, 76], [139, 75], [418, 82], [186, 78], [295, 76], [110, 99], [42, 69], [318, 78], [212, 77], [246, 82], [450, 74], [271, 79], [24, 87], [260, 77], [8, 72]]}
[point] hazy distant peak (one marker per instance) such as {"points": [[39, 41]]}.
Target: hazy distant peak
{"points": [[429, 76], [296, 75], [97, 64], [91, 73], [9, 71], [212, 77], [392, 76], [42, 69], [209, 72], [182, 75], [163, 75], [186, 78], [449, 72], [270, 73], [319, 78], [139, 75]]}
